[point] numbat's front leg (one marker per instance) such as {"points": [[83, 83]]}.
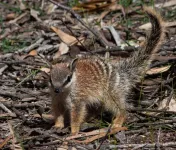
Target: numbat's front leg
{"points": [[59, 122], [78, 113]]}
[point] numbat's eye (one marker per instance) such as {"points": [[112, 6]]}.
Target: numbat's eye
{"points": [[68, 78], [57, 90]]}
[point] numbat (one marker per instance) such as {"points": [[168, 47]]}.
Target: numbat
{"points": [[94, 82]]}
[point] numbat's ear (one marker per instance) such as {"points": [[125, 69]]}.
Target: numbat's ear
{"points": [[73, 64]]}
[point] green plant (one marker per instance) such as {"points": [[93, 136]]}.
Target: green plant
{"points": [[11, 45], [73, 3], [13, 9], [125, 3], [171, 14], [6, 46]]}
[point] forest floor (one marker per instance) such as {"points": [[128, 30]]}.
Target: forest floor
{"points": [[35, 33]]}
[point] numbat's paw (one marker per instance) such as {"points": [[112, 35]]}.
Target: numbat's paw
{"points": [[74, 130], [59, 122], [59, 125], [116, 125]]}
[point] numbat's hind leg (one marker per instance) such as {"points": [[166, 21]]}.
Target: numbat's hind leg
{"points": [[119, 119], [120, 113]]}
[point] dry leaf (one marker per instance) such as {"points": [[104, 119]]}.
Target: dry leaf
{"points": [[35, 14], [11, 16], [158, 70], [81, 39], [115, 35], [63, 49], [2, 68], [57, 55], [22, 6], [66, 38], [33, 53], [170, 107], [95, 5], [47, 70], [145, 26], [51, 8]]}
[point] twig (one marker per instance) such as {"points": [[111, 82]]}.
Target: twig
{"points": [[36, 44], [95, 132], [5, 141], [15, 144], [19, 114], [152, 110], [24, 62], [156, 123], [158, 139], [47, 48], [7, 110], [116, 49], [9, 32], [8, 55], [96, 33], [9, 94], [4, 115], [24, 15], [170, 96], [24, 105], [109, 129], [147, 145], [91, 139]]}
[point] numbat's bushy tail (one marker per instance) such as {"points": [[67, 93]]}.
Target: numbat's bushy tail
{"points": [[92, 82], [140, 61]]}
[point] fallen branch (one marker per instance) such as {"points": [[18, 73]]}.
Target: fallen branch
{"points": [[147, 145], [156, 123], [31, 47], [2, 106], [5, 141], [98, 134]]}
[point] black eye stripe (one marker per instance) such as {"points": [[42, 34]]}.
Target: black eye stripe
{"points": [[67, 80]]}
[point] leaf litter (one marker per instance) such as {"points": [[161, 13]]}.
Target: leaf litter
{"points": [[35, 35]]}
